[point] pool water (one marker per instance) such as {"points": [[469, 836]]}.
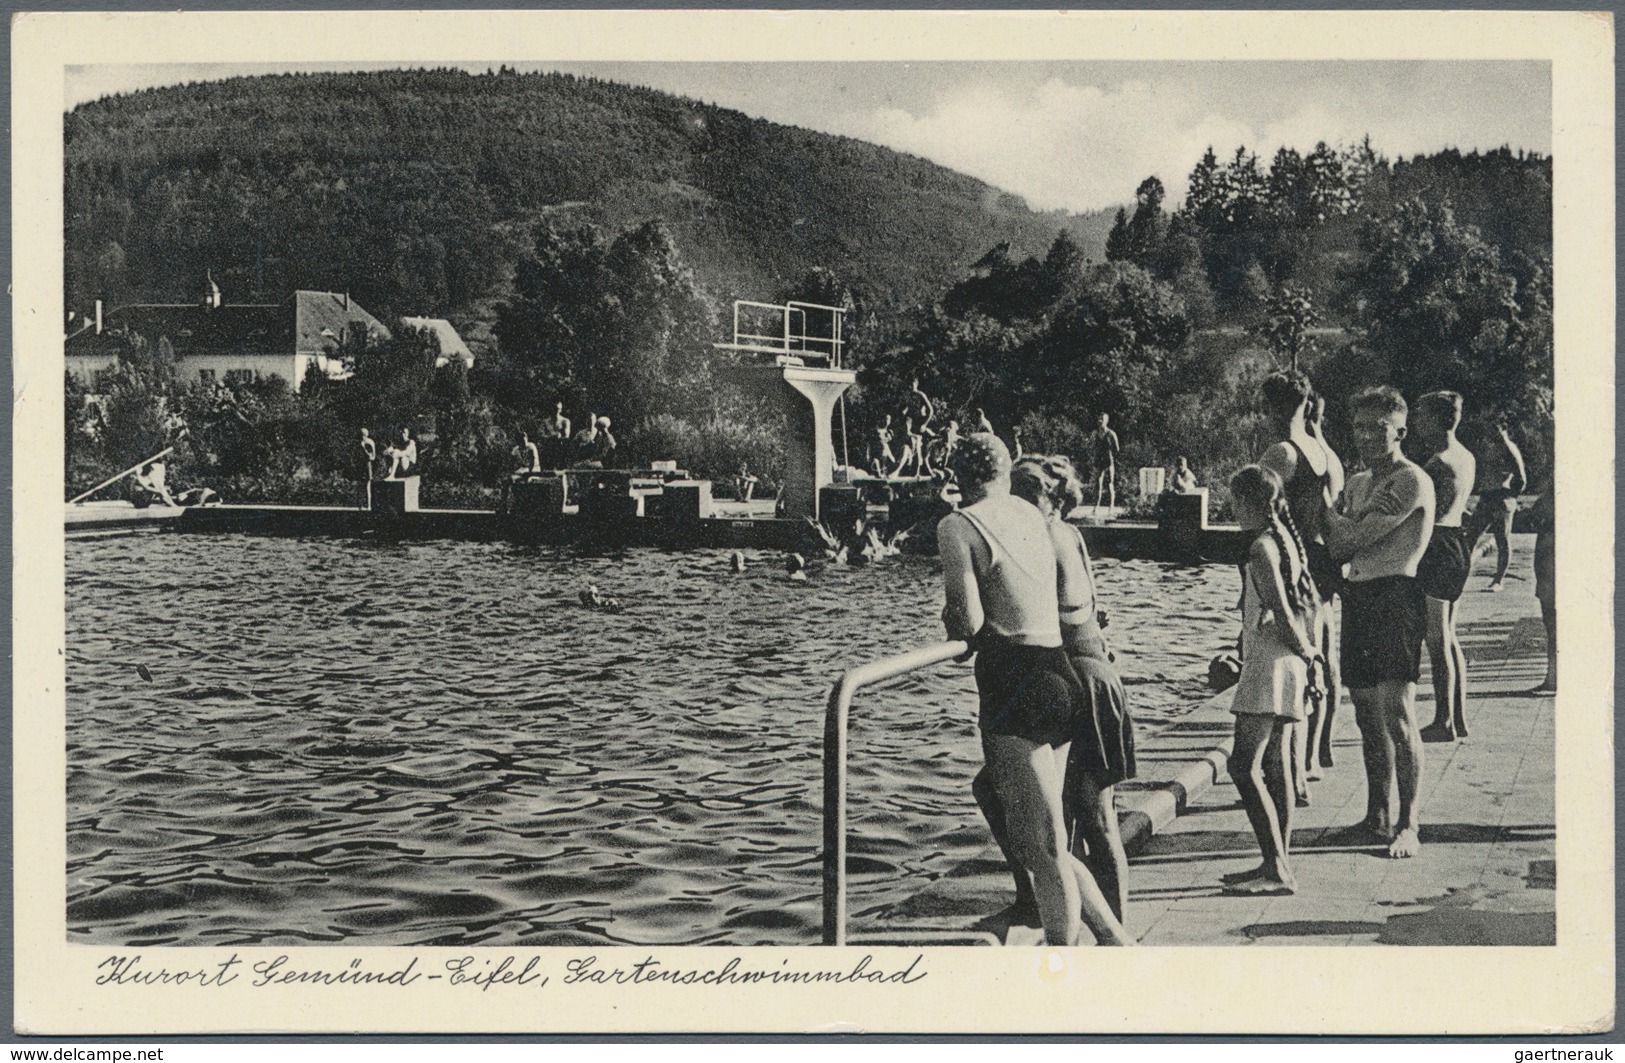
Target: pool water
{"points": [[354, 742]]}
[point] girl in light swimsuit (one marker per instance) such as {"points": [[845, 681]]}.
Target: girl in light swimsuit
{"points": [[1279, 606]]}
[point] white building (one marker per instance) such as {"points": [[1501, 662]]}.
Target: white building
{"points": [[214, 341]]}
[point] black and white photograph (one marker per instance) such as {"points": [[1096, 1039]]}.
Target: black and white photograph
{"points": [[785, 528]]}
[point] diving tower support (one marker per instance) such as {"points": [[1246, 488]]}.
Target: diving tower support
{"points": [[807, 395], [797, 334]]}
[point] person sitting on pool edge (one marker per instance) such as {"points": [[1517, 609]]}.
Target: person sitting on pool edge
{"points": [[151, 484], [403, 458], [1000, 579], [1184, 479]]}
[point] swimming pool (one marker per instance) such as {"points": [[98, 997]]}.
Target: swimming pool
{"points": [[353, 742]]}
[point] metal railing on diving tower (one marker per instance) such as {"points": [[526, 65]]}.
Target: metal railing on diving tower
{"points": [[791, 330], [807, 379]]}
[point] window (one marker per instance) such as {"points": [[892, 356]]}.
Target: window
{"points": [[206, 377], [239, 376], [103, 379]]}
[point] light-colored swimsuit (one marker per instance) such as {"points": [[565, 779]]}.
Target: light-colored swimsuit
{"points": [[1274, 679]]}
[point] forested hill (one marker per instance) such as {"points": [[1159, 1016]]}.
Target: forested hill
{"points": [[415, 190]]}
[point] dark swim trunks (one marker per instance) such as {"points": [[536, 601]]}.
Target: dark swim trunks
{"points": [[1384, 623], [1496, 503], [1443, 570], [1030, 692], [1103, 742]]}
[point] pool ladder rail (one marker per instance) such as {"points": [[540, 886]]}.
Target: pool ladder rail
{"points": [[835, 828]]}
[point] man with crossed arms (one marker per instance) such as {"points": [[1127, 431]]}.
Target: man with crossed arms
{"points": [[1383, 532]]}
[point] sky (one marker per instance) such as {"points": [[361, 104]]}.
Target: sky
{"points": [[1074, 136]]}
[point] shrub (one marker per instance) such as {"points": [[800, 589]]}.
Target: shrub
{"points": [[710, 450]]}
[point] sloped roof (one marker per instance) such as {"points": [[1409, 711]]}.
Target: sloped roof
{"points": [[241, 329], [451, 344], [321, 319], [315, 325]]}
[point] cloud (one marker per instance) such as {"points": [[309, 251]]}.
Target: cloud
{"points": [[1077, 147], [1084, 147]]}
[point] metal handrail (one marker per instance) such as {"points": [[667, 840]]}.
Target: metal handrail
{"points": [[789, 339], [835, 717]]}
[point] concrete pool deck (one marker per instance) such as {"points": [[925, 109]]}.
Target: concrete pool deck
{"points": [[1486, 874]]}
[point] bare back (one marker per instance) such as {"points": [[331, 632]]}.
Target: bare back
{"points": [[1453, 471]]}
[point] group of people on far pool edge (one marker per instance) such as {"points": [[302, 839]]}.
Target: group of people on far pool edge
{"points": [[401, 456], [1394, 541]]}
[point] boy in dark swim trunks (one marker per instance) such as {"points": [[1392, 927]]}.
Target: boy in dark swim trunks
{"points": [[1103, 447], [1498, 500], [1443, 569], [1383, 532]]}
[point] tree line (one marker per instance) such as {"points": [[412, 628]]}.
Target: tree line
{"points": [[1427, 273]]}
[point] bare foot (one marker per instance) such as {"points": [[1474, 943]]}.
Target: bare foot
{"points": [[1242, 876], [1363, 832], [1264, 886], [1437, 732], [1018, 914], [1116, 939], [1406, 844]]}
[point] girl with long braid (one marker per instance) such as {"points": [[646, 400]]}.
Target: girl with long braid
{"points": [[1278, 651]]}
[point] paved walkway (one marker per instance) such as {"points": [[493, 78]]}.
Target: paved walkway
{"points": [[1486, 874]]}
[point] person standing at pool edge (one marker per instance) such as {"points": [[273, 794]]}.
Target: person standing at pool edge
{"points": [[1383, 533], [1000, 580], [1102, 753], [1304, 466], [365, 464], [1331, 578], [1103, 446], [1444, 567], [1545, 518], [1279, 609], [1498, 502]]}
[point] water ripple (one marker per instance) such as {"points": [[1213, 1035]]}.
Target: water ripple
{"points": [[433, 743]]}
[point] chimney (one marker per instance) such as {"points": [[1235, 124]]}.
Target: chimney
{"points": [[98, 317], [346, 300], [212, 298]]}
